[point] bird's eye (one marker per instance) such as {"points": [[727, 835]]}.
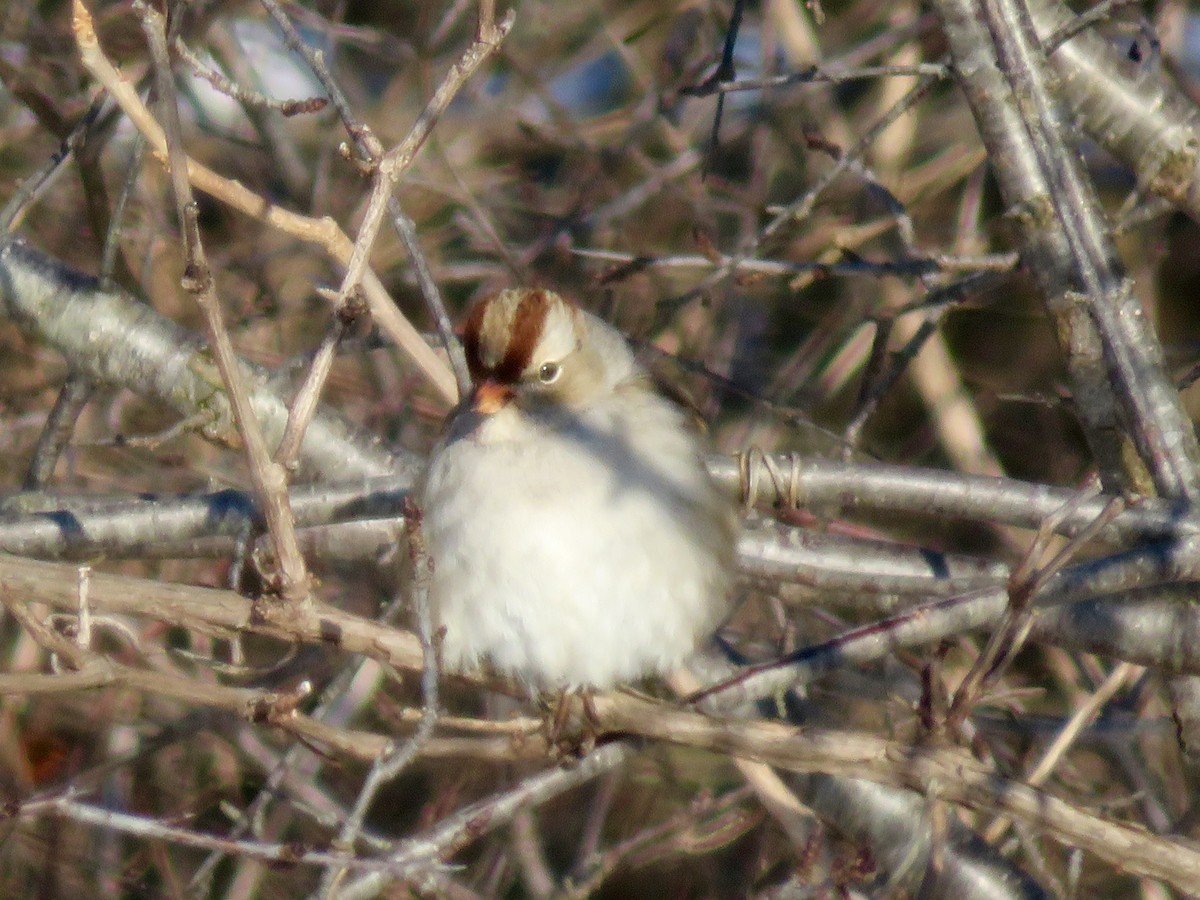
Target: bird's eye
{"points": [[548, 372]]}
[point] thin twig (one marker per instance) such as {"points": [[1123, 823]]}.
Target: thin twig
{"points": [[269, 478], [323, 231], [389, 166], [395, 759], [1117, 678], [35, 186], [74, 395], [304, 406], [1027, 579], [244, 95]]}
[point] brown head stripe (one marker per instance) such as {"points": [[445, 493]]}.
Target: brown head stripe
{"points": [[471, 329], [525, 329], [529, 318]]}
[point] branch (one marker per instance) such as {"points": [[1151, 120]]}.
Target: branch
{"points": [[110, 337]]}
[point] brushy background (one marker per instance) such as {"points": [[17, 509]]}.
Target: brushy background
{"points": [[578, 159]]}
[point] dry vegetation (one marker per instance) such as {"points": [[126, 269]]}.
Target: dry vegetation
{"points": [[955, 685]]}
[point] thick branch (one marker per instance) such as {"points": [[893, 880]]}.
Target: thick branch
{"points": [[110, 337]]}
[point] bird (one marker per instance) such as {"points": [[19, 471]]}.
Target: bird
{"points": [[577, 539]]}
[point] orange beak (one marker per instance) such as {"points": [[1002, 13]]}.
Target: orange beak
{"points": [[490, 397]]}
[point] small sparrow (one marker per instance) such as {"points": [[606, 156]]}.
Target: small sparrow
{"points": [[577, 539]]}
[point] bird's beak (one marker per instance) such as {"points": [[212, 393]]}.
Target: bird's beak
{"points": [[490, 397]]}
